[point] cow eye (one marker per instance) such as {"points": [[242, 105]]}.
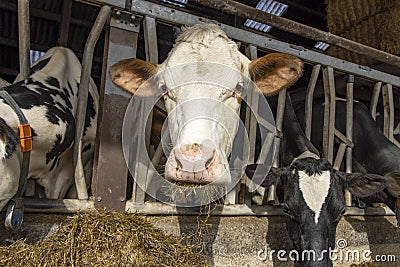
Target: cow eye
{"points": [[163, 87], [239, 88], [285, 208], [287, 211]]}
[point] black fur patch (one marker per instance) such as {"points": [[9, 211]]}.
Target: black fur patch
{"points": [[34, 93], [10, 137], [90, 113], [311, 166], [40, 65], [86, 148]]}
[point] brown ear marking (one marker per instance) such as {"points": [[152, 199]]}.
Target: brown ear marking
{"points": [[275, 72], [130, 73]]}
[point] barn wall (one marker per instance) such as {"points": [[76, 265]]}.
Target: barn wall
{"points": [[236, 241], [371, 22]]}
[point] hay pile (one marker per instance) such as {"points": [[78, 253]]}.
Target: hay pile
{"points": [[366, 264], [103, 239], [375, 23]]}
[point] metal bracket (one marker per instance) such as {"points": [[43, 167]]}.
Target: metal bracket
{"points": [[125, 20], [14, 214]]}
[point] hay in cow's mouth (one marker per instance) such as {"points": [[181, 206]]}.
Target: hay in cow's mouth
{"points": [[188, 192], [104, 239]]}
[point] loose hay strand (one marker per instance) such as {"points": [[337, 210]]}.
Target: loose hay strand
{"points": [[103, 238]]}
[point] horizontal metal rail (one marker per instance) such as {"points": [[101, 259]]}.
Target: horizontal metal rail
{"points": [[75, 205], [178, 17], [162, 13], [242, 10]]}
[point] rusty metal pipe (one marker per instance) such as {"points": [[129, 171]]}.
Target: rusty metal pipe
{"points": [[310, 98], [388, 108], [329, 113], [375, 99], [24, 39], [279, 123], [242, 10], [94, 34], [349, 132]]}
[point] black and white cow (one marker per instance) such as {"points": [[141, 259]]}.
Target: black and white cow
{"points": [[48, 99], [372, 152], [311, 194], [311, 191]]}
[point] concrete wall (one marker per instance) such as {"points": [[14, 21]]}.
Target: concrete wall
{"points": [[236, 241]]}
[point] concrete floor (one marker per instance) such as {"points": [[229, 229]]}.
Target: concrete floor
{"points": [[237, 241]]}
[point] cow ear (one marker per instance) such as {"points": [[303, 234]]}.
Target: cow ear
{"points": [[268, 178], [275, 72], [129, 74], [393, 183], [364, 184]]}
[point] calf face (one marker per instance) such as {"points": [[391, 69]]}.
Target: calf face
{"points": [[311, 193], [203, 116]]}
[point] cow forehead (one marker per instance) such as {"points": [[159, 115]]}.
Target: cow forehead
{"points": [[315, 189], [219, 50]]}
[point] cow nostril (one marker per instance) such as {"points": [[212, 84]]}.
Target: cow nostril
{"points": [[178, 164], [210, 160]]}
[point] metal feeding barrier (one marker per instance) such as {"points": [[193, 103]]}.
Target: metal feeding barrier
{"points": [[109, 183]]}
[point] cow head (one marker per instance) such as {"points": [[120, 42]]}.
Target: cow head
{"points": [[203, 117], [311, 193]]}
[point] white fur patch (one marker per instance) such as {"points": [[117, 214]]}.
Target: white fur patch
{"points": [[315, 189]]}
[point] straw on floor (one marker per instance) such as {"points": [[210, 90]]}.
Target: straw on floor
{"points": [[103, 238]]}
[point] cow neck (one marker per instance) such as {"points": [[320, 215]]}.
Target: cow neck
{"points": [[25, 153]]}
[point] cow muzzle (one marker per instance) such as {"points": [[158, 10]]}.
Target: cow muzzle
{"points": [[195, 164]]}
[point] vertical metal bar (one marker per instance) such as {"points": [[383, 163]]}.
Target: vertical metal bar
{"points": [[349, 131], [24, 39], [110, 173], [388, 108], [150, 37], [64, 27], [251, 128], [329, 113], [251, 121], [230, 198], [339, 156], [141, 169], [142, 172], [266, 146], [150, 40], [309, 99], [94, 34], [375, 99], [279, 124]]}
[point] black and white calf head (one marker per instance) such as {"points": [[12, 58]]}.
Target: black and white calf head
{"points": [[314, 202], [312, 196]]}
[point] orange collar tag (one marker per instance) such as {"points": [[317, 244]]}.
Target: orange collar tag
{"points": [[25, 137]]}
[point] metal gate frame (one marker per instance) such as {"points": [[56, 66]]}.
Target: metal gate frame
{"points": [[125, 22]]}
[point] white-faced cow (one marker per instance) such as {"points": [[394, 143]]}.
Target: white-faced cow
{"points": [[312, 192], [203, 143], [48, 99]]}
